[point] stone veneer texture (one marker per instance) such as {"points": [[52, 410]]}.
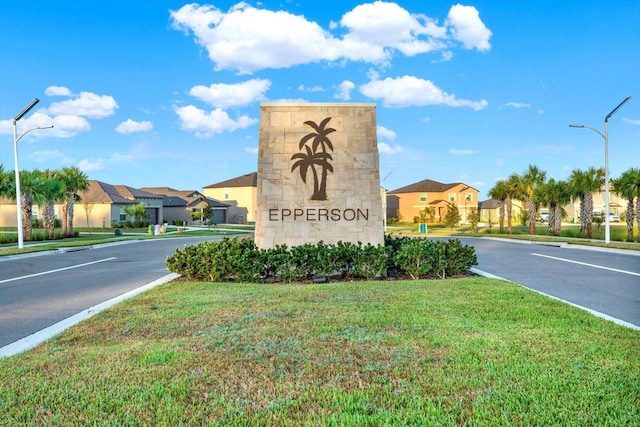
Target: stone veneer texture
{"points": [[348, 207]]}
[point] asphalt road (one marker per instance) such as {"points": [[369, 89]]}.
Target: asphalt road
{"points": [[36, 292], [606, 281]]}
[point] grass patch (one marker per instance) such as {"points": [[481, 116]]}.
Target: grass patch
{"points": [[470, 351], [570, 234], [88, 237]]}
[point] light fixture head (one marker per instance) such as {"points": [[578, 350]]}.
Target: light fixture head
{"points": [[26, 109]]}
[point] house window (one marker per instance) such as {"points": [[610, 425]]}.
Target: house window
{"points": [[423, 197], [123, 216], [226, 194], [452, 197], [468, 197]]}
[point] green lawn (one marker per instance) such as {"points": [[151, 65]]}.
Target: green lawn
{"points": [[87, 237], [470, 351], [570, 233]]}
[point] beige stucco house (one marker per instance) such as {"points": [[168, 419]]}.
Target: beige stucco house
{"points": [[617, 205], [490, 211], [411, 200], [101, 205], [240, 193]]}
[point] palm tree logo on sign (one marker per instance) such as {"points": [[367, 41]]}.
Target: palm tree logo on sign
{"points": [[315, 157]]}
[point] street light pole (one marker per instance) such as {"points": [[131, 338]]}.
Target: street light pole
{"points": [[17, 138], [605, 135]]}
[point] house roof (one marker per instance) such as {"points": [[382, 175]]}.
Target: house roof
{"points": [[177, 198], [101, 192], [428, 186], [248, 180], [489, 204]]}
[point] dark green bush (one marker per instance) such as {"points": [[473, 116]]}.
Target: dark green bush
{"points": [[240, 260]]}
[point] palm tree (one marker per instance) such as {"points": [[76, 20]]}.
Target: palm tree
{"points": [[582, 184], [529, 183], [52, 191], [500, 192], [313, 157], [514, 192], [74, 181], [30, 191], [554, 194], [628, 186]]}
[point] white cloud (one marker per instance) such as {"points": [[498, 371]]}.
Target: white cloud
{"points": [[310, 88], [221, 95], [57, 91], [49, 156], [131, 126], [121, 158], [64, 126], [468, 28], [380, 25], [206, 124], [463, 152], [87, 104], [251, 150], [386, 133], [344, 90], [426, 119], [515, 105], [91, 165], [631, 121], [248, 39], [385, 148], [445, 56], [412, 91]]}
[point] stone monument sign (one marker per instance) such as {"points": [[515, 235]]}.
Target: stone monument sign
{"points": [[318, 175]]}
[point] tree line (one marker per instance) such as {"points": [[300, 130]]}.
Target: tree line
{"points": [[533, 188], [44, 188]]}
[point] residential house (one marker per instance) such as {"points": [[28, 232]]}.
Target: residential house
{"points": [[241, 193], [489, 211], [410, 201], [102, 205], [617, 205], [186, 206]]}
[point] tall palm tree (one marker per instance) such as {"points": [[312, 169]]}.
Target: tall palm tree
{"points": [[314, 157], [628, 186], [30, 192], [514, 192], [582, 185], [74, 181], [500, 192], [529, 183], [554, 194], [52, 191]]}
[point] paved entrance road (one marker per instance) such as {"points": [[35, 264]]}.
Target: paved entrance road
{"points": [[37, 292], [607, 281]]}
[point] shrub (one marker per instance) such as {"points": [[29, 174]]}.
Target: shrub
{"points": [[421, 258], [240, 260]]}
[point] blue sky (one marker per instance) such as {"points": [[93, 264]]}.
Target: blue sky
{"points": [[167, 93]]}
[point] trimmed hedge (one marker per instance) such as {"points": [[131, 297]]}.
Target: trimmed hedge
{"points": [[239, 259]]}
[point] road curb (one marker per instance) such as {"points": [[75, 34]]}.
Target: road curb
{"points": [[41, 336], [593, 312]]}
